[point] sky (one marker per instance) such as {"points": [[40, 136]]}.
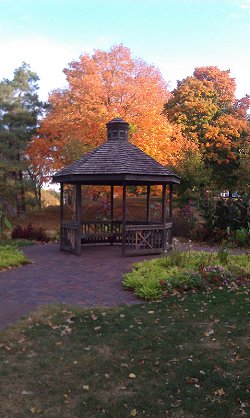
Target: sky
{"points": [[174, 35]]}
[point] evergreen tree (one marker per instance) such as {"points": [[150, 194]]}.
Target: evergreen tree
{"points": [[19, 111]]}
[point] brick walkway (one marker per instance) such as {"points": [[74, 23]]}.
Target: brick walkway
{"points": [[92, 279]]}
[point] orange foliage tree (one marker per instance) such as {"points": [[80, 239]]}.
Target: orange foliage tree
{"points": [[100, 87], [205, 108]]}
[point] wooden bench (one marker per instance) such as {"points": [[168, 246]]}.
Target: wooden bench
{"points": [[101, 237]]}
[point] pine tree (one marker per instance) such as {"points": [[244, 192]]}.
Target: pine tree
{"points": [[19, 111]]}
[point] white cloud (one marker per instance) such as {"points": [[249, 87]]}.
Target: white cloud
{"points": [[245, 4], [46, 57], [239, 68]]}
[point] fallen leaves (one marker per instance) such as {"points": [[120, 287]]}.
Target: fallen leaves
{"points": [[191, 380], [35, 410], [6, 347], [26, 392], [132, 359], [243, 405], [176, 403], [97, 328], [220, 392], [66, 398], [208, 333], [66, 331]]}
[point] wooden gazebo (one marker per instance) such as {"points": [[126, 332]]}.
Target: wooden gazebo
{"points": [[117, 162]]}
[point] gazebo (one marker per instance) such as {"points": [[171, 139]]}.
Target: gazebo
{"points": [[117, 162]]}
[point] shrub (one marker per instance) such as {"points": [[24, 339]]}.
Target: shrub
{"points": [[10, 257], [242, 236], [184, 221], [215, 276], [199, 233], [189, 270], [223, 255], [29, 232], [225, 213]]}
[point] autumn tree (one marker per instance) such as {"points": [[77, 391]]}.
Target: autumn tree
{"points": [[19, 111], [205, 108], [102, 86]]}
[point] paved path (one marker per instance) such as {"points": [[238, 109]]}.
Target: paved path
{"points": [[92, 279]]}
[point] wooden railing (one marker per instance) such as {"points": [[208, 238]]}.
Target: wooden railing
{"points": [[147, 239], [70, 238], [140, 237], [101, 231]]}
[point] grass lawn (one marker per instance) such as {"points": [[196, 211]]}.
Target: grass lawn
{"points": [[10, 253], [186, 356]]}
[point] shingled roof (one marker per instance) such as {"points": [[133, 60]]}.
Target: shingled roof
{"points": [[116, 159]]}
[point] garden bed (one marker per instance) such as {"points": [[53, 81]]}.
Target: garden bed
{"points": [[11, 254], [188, 270]]}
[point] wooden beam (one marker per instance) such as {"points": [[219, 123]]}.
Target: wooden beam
{"points": [[171, 212], [78, 202], [170, 203], [164, 207], [112, 210], [61, 213], [148, 203], [78, 219], [164, 215], [124, 219]]}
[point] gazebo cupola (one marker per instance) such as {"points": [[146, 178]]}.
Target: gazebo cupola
{"points": [[117, 130], [117, 162]]}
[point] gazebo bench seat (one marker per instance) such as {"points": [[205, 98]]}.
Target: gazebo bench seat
{"points": [[101, 237]]}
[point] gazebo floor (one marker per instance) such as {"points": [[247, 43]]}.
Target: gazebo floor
{"points": [[91, 279]]}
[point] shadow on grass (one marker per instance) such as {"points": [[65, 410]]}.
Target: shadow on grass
{"points": [[181, 357]]}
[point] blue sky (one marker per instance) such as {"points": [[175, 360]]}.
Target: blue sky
{"points": [[174, 35]]}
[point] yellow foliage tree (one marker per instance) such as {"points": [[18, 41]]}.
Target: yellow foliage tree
{"points": [[102, 86]]}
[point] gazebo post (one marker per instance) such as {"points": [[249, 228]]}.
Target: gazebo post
{"points": [[170, 203], [112, 211], [164, 214], [78, 219], [61, 214], [124, 216], [148, 203], [170, 211]]}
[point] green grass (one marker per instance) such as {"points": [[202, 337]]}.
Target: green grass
{"points": [[184, 357], [182, 271], [11, 255], [16, 243]]}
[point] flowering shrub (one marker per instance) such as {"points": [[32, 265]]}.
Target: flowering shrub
{"points": [[216, 276], [180, 272], [211, 277], [29, 232]]}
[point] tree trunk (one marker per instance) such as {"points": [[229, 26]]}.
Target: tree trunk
{"points": [[40, 196], [22, 193]]}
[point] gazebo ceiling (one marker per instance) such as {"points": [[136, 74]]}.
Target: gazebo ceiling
{"points": [[116, 161]]}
